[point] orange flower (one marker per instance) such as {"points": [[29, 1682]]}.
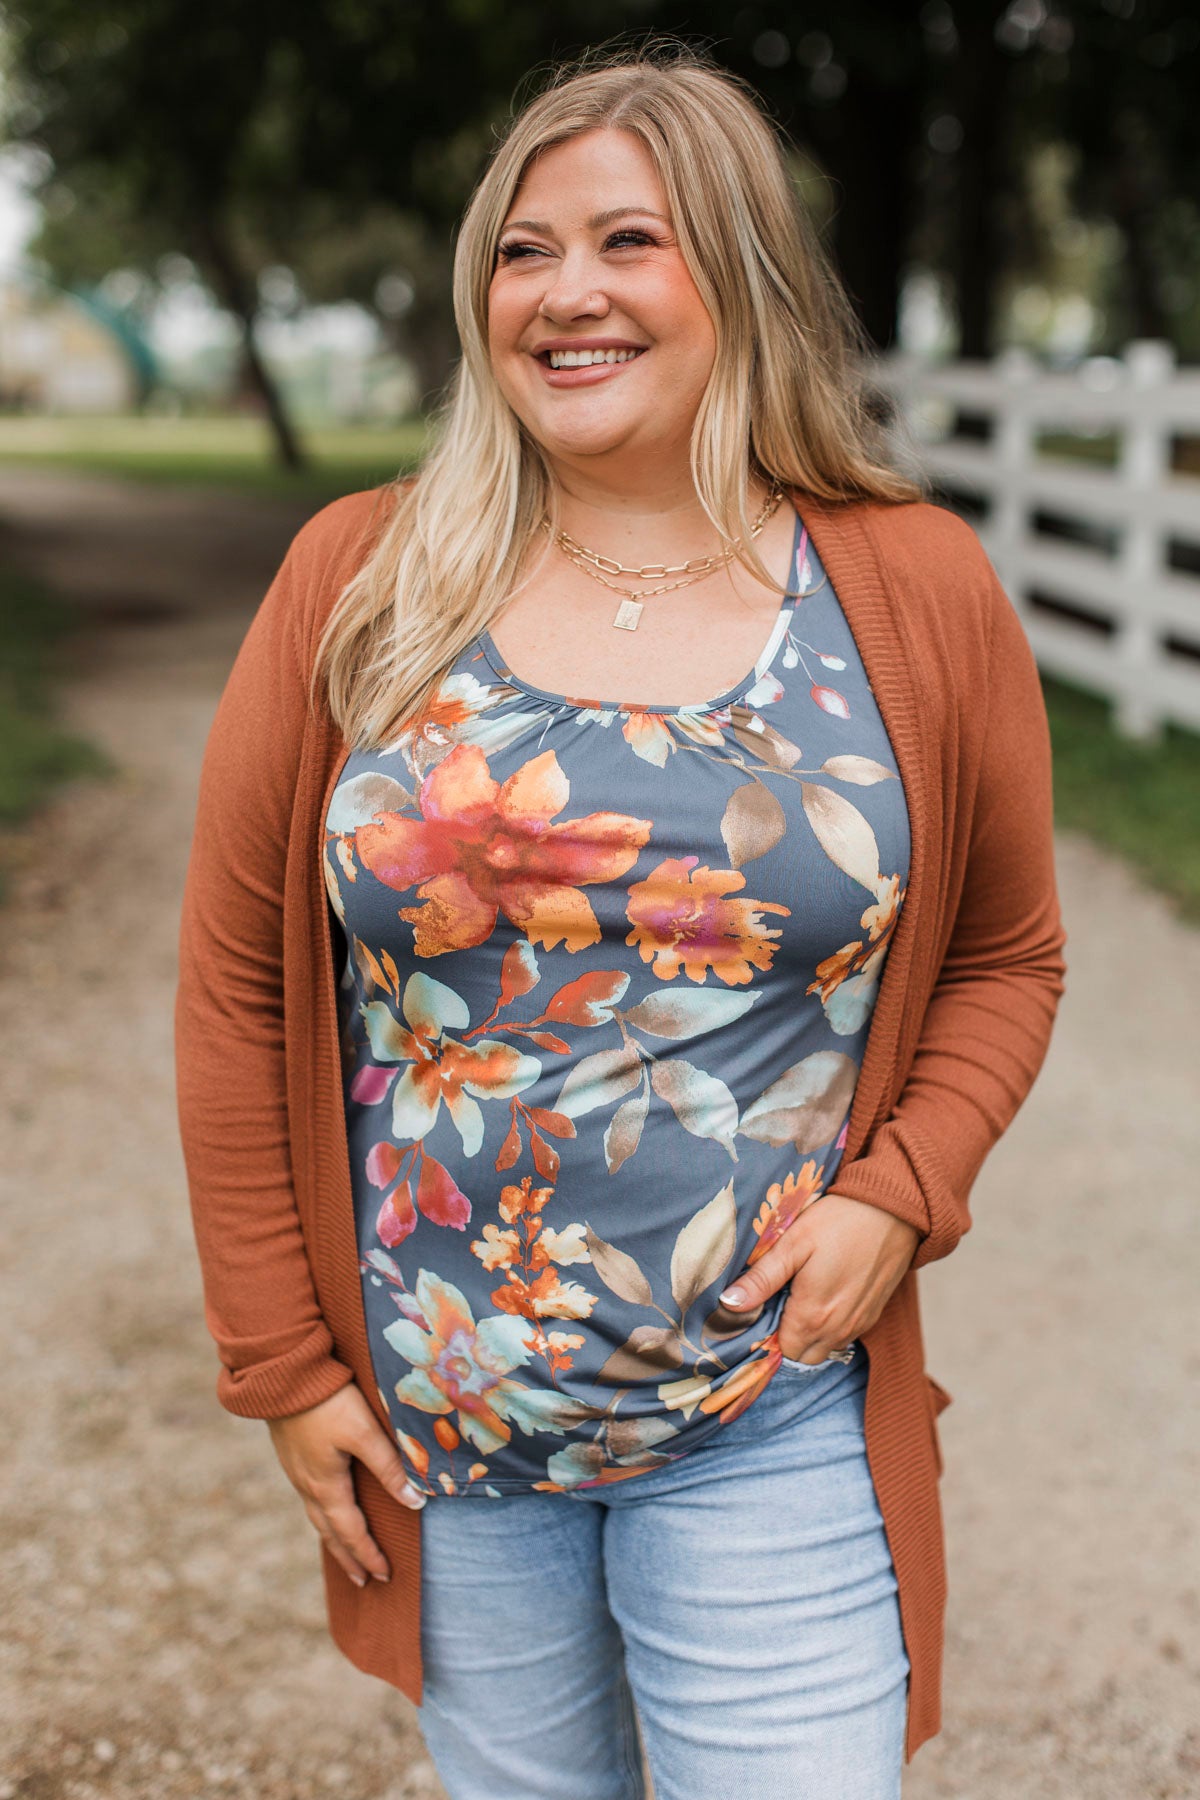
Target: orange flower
{"points": [[682, 919], [833, 971], [650, 736], [547, 1296], [880, 918], [744, 1386], [482, 847], [517, 1198], [879, 921], [783, 1205]]}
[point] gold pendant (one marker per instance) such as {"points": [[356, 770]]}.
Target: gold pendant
{"points": [[627, 615]]}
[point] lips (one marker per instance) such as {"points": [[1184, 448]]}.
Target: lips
{"points": [[587, 374]]}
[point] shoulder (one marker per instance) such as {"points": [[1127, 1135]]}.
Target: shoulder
{"points": [[927, 536], [339, 530], [940, 576]]}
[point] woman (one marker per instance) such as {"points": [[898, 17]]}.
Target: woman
{"points": [[584, 1034]]}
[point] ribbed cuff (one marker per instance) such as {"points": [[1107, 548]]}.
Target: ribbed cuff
{"points": [[288, 1384], [902, 1174]]}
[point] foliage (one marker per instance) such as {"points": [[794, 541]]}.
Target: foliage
{"points": [[1141, 800]]}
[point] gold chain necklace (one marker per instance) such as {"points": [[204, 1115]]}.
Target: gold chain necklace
{"points": [[600, 567]]}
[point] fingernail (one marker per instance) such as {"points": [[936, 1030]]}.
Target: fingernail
{"points": [[412, 1498], [379, 1577], [359, 1580], [733, 1296]]}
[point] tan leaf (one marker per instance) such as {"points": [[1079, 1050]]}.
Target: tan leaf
{"points": [[357, 801], [681, 1014], [753, 733], [700, 1101], [630, 1438], [805, 1106], [598, 1079], [625, 1130], [753, 823], [618, 1271], [703, 1248], [646, 1352], [721, 1323], [843, 834], [862, 770]]}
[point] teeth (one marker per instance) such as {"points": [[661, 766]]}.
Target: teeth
{"points": [[583, 359]]}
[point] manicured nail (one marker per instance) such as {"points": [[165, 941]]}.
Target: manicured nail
{"points": [[412, 1498], [733, 1296], [359, 1580], [379, 1577]]}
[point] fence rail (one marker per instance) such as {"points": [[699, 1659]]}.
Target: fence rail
{"points": [[1101, 561]]}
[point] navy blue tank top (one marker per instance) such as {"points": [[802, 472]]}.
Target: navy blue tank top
{"points": [[607, 979]]}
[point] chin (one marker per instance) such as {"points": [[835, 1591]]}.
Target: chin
{"points": [[586, 437]]}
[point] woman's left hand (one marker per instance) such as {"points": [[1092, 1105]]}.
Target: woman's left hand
{"points": [[843, 1258]]}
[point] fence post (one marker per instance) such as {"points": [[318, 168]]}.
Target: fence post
{"points": [[1144, 465], [1014, 453]]}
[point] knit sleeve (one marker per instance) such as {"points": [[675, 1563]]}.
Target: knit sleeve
{"points": [[261, 1307], [988, 1023]]}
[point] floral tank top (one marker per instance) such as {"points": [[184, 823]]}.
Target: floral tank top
{"points": [[607, 972]]}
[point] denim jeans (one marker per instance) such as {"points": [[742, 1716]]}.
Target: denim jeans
{"points": [[738, 1605]]}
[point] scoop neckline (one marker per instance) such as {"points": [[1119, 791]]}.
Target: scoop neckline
{"points": [[585, 703]]}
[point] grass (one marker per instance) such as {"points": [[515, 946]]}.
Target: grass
{"points": [[218, 452], [36, 754], [1140, 800]]}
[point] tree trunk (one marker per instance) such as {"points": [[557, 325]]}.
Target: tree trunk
{"points": [[236, 292], [871, 161], [1137, 198], [981, 80]]}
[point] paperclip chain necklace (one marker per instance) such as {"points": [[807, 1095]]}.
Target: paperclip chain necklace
{"points": [[600, 567]]}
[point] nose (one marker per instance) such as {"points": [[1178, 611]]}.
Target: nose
{"points": [[572, 293]]}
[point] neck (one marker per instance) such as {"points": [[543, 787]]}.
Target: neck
{"points": [[657, 511]]}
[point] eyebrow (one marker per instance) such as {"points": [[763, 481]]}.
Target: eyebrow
{"points": [[595, 223]]}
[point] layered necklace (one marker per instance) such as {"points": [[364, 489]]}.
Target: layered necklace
{"points": [[600, 567]]}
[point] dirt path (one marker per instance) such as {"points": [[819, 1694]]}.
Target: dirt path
{"points": [[165, 1629]]}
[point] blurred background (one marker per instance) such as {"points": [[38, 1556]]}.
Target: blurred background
{"points": [[226, 236]]}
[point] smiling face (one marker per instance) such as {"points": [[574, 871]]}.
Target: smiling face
{"points": [[598, 336]]}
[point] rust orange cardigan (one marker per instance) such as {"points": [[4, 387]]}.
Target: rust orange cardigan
{"points": [[960, 1029]]}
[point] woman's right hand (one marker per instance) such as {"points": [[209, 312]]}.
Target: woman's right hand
{"points": [[315, 1448]]}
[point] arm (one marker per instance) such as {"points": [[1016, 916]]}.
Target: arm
{"points": [[988, 1023], [260, 1304]]}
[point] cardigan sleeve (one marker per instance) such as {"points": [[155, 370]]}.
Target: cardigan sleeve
{"points": [[989, 1019], [261, 1306]]}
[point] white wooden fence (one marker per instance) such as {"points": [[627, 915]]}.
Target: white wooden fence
{"points": [[1102, 563]]}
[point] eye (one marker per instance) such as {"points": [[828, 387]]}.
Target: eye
{"points": [[516, 251], [620, 239]]}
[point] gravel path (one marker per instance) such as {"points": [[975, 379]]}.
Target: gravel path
{"points": [[165, 1634]]}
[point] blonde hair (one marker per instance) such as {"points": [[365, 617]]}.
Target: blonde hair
{"points": [[785, 399]]}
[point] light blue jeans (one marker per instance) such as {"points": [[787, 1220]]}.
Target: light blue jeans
{"points": [[739, 1605]]}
